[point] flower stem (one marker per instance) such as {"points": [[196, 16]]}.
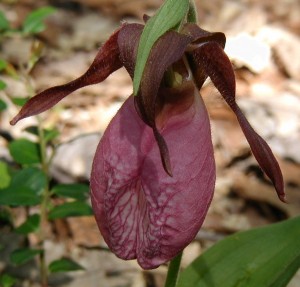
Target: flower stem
{"points": [[173, 271], [44, 204], [46, 193]]}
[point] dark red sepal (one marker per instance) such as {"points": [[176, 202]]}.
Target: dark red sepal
{"points": [[106, 62], [213, 60], [128, 41]]}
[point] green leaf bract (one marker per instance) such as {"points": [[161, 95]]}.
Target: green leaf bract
{"points": [[170, 14]]}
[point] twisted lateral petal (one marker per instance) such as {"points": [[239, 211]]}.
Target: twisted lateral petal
{"points": [[106, 62], [211, 57], [141, 211], [128, 41], [167, 50], [199, 37]]}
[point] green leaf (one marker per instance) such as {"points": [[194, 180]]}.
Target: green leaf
{"points": [[7, 280], [2, 85], [49, 134], [3, 105], [64, 265], [21, 256], [32, 130], [19, 196], [26, 188], [30, 225], [170, 14], [24, 151], [4, 24], [4, 175], [3, 63], [34, 21], [30, 177], [19, 101], [267, 256], [76, 191], [69, 209]]}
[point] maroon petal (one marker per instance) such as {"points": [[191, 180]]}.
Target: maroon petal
{"points": [[211, 57], [199, 37], [128, 41], [106, 62], [141, 211], [166, 51]]}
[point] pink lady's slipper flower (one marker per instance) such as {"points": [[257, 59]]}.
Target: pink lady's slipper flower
{"points": [[153, 174]]}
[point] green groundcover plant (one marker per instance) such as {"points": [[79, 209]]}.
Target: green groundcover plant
{"points": [[26, 183]]}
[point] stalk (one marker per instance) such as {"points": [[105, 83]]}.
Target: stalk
{"points": [[45, 162], [44, 205], [173, 271]]}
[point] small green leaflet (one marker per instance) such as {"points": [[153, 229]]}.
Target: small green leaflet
{"points": [[170, 14], [25, 188], [19, 101], [19, 196], [69, 209], [31, 177], [76, 191], [4, 24], [48, 134], [34, 21], [21, 256], [7, 280], [4, 175], [3, 64], [267, 256], [64, 265], [2, 85], [30, 225], [24, 151], [3, 105]]}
